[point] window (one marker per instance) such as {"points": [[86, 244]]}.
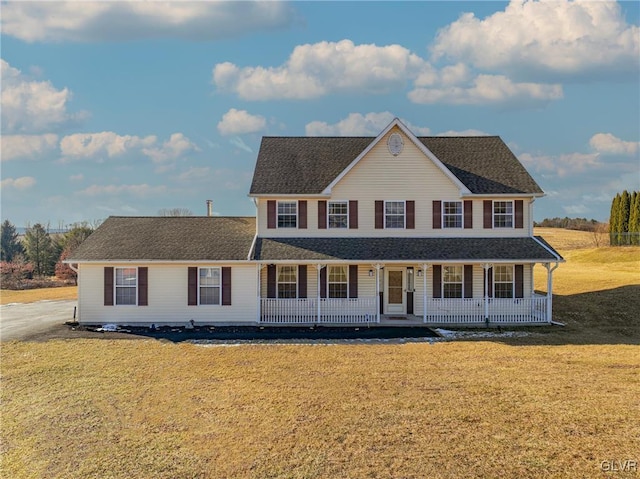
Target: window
{"points": [[287, 282], [126, 285], [209, 285], [452, 281], [338, 214], [287, 214], [503, 214], [394, 214], [503, 281], [452, 214], [338, 282]]}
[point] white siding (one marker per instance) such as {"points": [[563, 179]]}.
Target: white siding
{"points": [[381, 176], [167, 297]]}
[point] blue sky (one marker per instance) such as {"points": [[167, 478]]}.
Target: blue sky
{"points": [[125, 108]]}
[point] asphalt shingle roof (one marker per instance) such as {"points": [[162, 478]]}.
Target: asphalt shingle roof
{"points": [[399, 249], [307, 165], [169, 238]]}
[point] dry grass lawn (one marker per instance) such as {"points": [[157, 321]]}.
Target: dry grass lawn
{"points": [[31, 295], [554, 404]]}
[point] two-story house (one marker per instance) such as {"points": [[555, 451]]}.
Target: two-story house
{"points": [[430, 230]]}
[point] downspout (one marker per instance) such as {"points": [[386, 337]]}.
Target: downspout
{"points": [[550, 289]]}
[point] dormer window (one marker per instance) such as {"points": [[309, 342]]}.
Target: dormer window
{"points": [[287, 214]]}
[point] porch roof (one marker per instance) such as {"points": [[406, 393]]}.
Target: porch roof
{"points": [[524, 249]]}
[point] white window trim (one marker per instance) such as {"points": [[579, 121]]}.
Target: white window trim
{"points": [[442, 214], [328, 209], [207, 286], [493, 215], [278, 202], [451, 282], [278, 283], [115, 285], [404, 215], [335, 282], [513, 280]]}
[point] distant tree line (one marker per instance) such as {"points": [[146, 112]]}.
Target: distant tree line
{"points": [[38, 254], [624, 222], [580, 224]]}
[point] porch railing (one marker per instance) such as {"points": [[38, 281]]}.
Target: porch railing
{"points": [[332, 310], [499, 310]]}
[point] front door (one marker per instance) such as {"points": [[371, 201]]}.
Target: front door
{"points": [[395, 297]]}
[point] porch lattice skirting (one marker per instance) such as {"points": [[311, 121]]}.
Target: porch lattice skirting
{"points": [[439, 311]]}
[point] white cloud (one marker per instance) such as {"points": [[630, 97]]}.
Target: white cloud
{"points": [[607, 144], [488, 89], [171, 150], [96, 145], [470, 132], [238, 143], [142, 190], [562, 165], [552, 38], [239, 122], [194, 174], [21, 183], [27, 146], [575, 209], [118, 21], [314, 70], [78, 177], [32, 106], [357, 124]]}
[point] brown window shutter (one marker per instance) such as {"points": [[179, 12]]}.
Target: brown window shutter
{"points": [[487, 209], [411, 214], [271, 281], [489, 280], [519, 214], [323, 282], [322, 215], [143, 286], [302, 214], [353, 214], [108, 286], [437, 281], [192, 294], [468, 281], [519, 279], [353, 280], [379, 214], [226, 286], [302, 281], [468, 214], [271, 213], [437, 214]]}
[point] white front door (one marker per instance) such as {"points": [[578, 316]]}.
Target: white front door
{"points": [[395, 297]]}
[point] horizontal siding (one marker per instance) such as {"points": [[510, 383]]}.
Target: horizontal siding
{"points": [[381, 176], [167, 298]]}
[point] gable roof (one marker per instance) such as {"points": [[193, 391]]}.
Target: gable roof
{"points": [[194, 238], [525, 249], [308, 165]]}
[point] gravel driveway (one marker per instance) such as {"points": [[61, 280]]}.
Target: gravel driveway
{"points": [[19, 321]]}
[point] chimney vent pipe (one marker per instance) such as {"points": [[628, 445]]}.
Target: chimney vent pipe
{"points": [[209, 207]]}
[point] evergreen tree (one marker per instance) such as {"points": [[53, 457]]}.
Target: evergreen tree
{"points": [[625, 210], [10, 245], [634, 218], [614, 227], [40, 250]]}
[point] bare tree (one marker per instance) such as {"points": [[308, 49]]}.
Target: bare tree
{"points": [[175, 212], [600, 234]]}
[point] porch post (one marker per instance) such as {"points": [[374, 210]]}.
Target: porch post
{"points": [[486, 267], [377, 292], [425, 268], [550, 271], [259, 308], [318, 268]]}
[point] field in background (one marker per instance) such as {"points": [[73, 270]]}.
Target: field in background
{"points": [[556, 403], [31, 295]]}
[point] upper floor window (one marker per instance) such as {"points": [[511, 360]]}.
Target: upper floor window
{"points": [[338, 281], [452, 214], [452, 281], [287, 214], [503, 281], [287, 281], [503, 214], [394, 214], [209, 285], [338, 214], [126, 285]]}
